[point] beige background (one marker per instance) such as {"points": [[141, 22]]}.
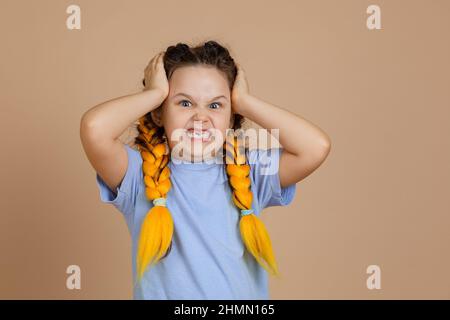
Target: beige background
{"points": [[383, 97]]}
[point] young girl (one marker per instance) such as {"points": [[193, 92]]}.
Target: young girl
{"points": [[194, 223]]}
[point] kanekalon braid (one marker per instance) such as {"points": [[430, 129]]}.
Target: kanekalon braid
{"points": [[157, 227], [253, 232]]}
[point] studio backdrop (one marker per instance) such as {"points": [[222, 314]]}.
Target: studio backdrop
{"points": [[371, 223]]}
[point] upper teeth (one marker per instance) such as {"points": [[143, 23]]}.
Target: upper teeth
{"points": [[198, 134]]}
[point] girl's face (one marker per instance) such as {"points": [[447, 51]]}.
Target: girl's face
{"points": [[196, 113]]}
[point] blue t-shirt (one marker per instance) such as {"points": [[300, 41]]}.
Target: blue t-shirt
{"points": [[208, 259]]}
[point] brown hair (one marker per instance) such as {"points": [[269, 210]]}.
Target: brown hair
{"points": [[157, 228]]}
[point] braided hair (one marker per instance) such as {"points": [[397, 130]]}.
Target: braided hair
{"points": [[155, 239]]}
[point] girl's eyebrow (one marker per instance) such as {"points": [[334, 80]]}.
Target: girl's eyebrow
{"points": [[188, 96]]}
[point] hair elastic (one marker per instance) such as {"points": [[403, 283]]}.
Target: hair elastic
{"points": [[159, 202], [245, 212]]}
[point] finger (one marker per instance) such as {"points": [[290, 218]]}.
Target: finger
{"points": [[155, 57], [150, 62], [149, 66], [159, 61], [154, 60], [159, 58], [239, 68], [161, 55]]}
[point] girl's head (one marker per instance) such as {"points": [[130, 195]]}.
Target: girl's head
{"points": [[200, 83]]}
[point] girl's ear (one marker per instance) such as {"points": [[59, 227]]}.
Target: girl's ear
{"points": [[156, 116]]}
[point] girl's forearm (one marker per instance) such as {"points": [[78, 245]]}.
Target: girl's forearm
{"points": [[111, 118], [296, 135]]}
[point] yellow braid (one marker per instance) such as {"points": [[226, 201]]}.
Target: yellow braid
{"points": [[157, 226], [253, 232]]}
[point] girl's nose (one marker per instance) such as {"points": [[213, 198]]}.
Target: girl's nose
{"points": [[201, 124], [201, 114]]}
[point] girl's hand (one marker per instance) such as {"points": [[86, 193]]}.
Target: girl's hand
{"points": [[240, 89], [155, 76]]}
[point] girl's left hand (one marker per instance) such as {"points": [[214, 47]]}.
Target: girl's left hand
{"points": [[240, 89]]}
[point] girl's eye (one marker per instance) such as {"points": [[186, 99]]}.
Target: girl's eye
{"points": [[184, 101], [218, 105]]}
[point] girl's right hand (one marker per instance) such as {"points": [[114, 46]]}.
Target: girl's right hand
{"points": [[155, 76]]}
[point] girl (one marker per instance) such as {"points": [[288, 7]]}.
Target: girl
{"points": [[194, 223]]}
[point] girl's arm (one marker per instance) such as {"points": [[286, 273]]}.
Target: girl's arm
{"points": [[305, 145], [102, 125]]}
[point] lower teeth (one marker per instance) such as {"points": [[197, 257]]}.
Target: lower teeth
{"points": [[197, 136]]}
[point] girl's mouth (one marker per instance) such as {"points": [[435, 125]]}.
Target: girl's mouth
{"points": [[198, 135]]}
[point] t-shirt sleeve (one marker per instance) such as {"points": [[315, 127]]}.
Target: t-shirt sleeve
{"points": [[266, 187], [126, 193]]}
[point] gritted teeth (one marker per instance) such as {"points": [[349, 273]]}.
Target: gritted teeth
{"points": [[192, 129], [196, 134]]}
